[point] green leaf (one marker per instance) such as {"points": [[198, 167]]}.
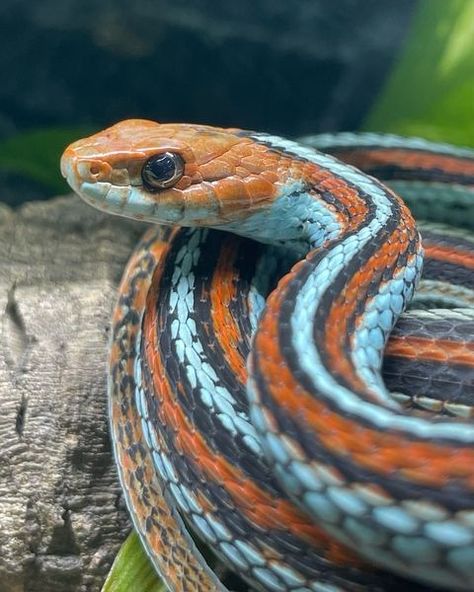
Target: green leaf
{"points": [[35, 154], [132, 570], [430, 92]]}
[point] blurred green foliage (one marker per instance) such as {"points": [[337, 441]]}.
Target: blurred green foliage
{"points": [[132, 571], [35, 155], [431, 90]]}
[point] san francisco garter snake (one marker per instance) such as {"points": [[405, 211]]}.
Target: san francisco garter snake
{"points": [[319, 457]]}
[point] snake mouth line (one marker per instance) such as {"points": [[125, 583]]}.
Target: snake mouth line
{"points": [[95, 194], [128, 201]]}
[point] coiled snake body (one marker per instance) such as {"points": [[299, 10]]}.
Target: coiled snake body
{"points": [[320, 471]]}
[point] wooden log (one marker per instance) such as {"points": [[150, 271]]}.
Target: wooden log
{"points": [[62, 516]]}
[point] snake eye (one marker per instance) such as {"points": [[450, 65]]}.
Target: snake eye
{"points": [[162, 171]]}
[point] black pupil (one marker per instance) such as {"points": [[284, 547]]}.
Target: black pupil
{"points": [[162, 167]]}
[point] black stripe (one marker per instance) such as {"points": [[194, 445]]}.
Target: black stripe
{"points": [[443, 381], [206, 421], [202, 316], [319, 193], [453, 496], [352, 147], [457, 275], [398, 171], [440, 379], [284, 330], [433, 237], [331, 294], [309, 561], [435, 326], [434, 175], [123, 383], [465, 331]]}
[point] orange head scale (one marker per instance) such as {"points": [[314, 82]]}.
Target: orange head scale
{"points": [[197, 175]]}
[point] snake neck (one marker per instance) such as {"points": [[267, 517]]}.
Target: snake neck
{"points": [[299, 219], [320, 201], [363, 262]]}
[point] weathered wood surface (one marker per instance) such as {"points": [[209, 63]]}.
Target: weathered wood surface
{"points": [[62, 517]]}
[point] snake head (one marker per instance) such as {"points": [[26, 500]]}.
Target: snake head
{"points": [[191, 175]]}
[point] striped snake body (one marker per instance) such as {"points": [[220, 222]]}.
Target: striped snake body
{"points": [[317, 469]]}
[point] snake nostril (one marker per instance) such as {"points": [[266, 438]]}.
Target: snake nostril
{"points": [[92, 170]]}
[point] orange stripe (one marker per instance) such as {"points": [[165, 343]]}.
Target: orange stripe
{"points": [[259, 507], [407, 159], [437, 350], [288, 169], [421, 462], [342, 309], [450, 255], [255, 174], [226, 328], [146, 496], [346, 195]]}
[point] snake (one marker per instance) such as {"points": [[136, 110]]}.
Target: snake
{"points": [[274, 405]]}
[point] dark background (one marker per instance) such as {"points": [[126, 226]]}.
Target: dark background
{"points": [[286, 66], [290, 66]]}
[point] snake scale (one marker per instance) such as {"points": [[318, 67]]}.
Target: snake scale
{"points": [[269, 396]]}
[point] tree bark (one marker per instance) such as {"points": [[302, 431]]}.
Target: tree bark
{"points": [[62, 518]]}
